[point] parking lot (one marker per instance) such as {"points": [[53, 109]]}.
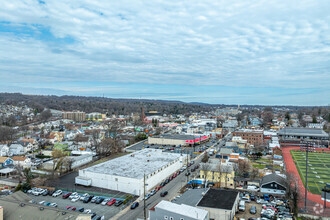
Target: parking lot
{"points": [[100, 210], [246, 214]]}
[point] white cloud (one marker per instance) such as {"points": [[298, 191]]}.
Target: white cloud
{"points": [[224, 43]]}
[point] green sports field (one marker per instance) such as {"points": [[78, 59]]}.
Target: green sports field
{"points": [[318, 169]]}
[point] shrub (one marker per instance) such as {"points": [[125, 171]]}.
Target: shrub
{"points": [[18, 187], [42, 156]]}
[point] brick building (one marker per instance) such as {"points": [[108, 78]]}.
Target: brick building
{"points": [[255, 137]]}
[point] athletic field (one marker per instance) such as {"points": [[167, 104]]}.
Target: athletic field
{"points": [[318, 169]]}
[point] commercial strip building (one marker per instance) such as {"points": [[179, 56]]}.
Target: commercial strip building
{"points": [[170, 211], [127, 173], [255, 137], [176, 139], [75, 116]]}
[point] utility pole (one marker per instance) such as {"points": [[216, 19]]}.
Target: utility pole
{"points": [[325, 196], [144, 197], [187, 171]]}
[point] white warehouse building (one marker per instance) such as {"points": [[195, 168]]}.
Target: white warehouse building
{"points": [[126, 173]]}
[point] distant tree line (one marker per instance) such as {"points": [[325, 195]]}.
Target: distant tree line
{"points": [[100, 104]]}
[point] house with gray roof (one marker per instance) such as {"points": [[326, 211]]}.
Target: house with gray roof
{"points": [[273, 184]]}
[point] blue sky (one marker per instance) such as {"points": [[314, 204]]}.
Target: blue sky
{"points": [[224, 52]]}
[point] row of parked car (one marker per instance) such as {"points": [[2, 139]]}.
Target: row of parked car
{"points": [[74, 197], [86, 198], [94, 216], [162, 184]]}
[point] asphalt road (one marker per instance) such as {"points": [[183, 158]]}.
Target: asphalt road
{"points": [[172, 188]]}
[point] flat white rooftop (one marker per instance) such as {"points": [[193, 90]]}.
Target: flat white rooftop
{"points": [[135, 165], [185, 210]]}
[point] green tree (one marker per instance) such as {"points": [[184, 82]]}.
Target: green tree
{"points": [[205, 158], [287, 116], [314, 119], [140, 137], [28, 175]]}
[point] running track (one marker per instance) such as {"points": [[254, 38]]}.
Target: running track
{"points": [[291, 168]]}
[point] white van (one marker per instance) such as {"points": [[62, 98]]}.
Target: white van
{"points": [[241, 206]]}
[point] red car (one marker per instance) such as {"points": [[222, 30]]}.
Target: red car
{"points": [[70, 208], [66, 195], [157, 188], [111, 202]]}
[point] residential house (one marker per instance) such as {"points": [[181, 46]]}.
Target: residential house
{"points": [[242, 144], [169, 211], [6, 162], [4, 150], [254, 121], [273, 184], [27, 146], [232, 145], [22, 161], [224, 153], [215, 172], [16, 149]]}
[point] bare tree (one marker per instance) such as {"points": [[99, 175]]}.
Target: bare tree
{"points": [[267, 117], [95, 139], [254, 173], [136, 121], [68, 162], [6, 133], [244, 167], [45, 115], [58, 158], [19, 171], [292, 193]]}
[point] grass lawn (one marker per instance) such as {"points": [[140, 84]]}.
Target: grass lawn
{"points": [[318, 169], [259, 166]]}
